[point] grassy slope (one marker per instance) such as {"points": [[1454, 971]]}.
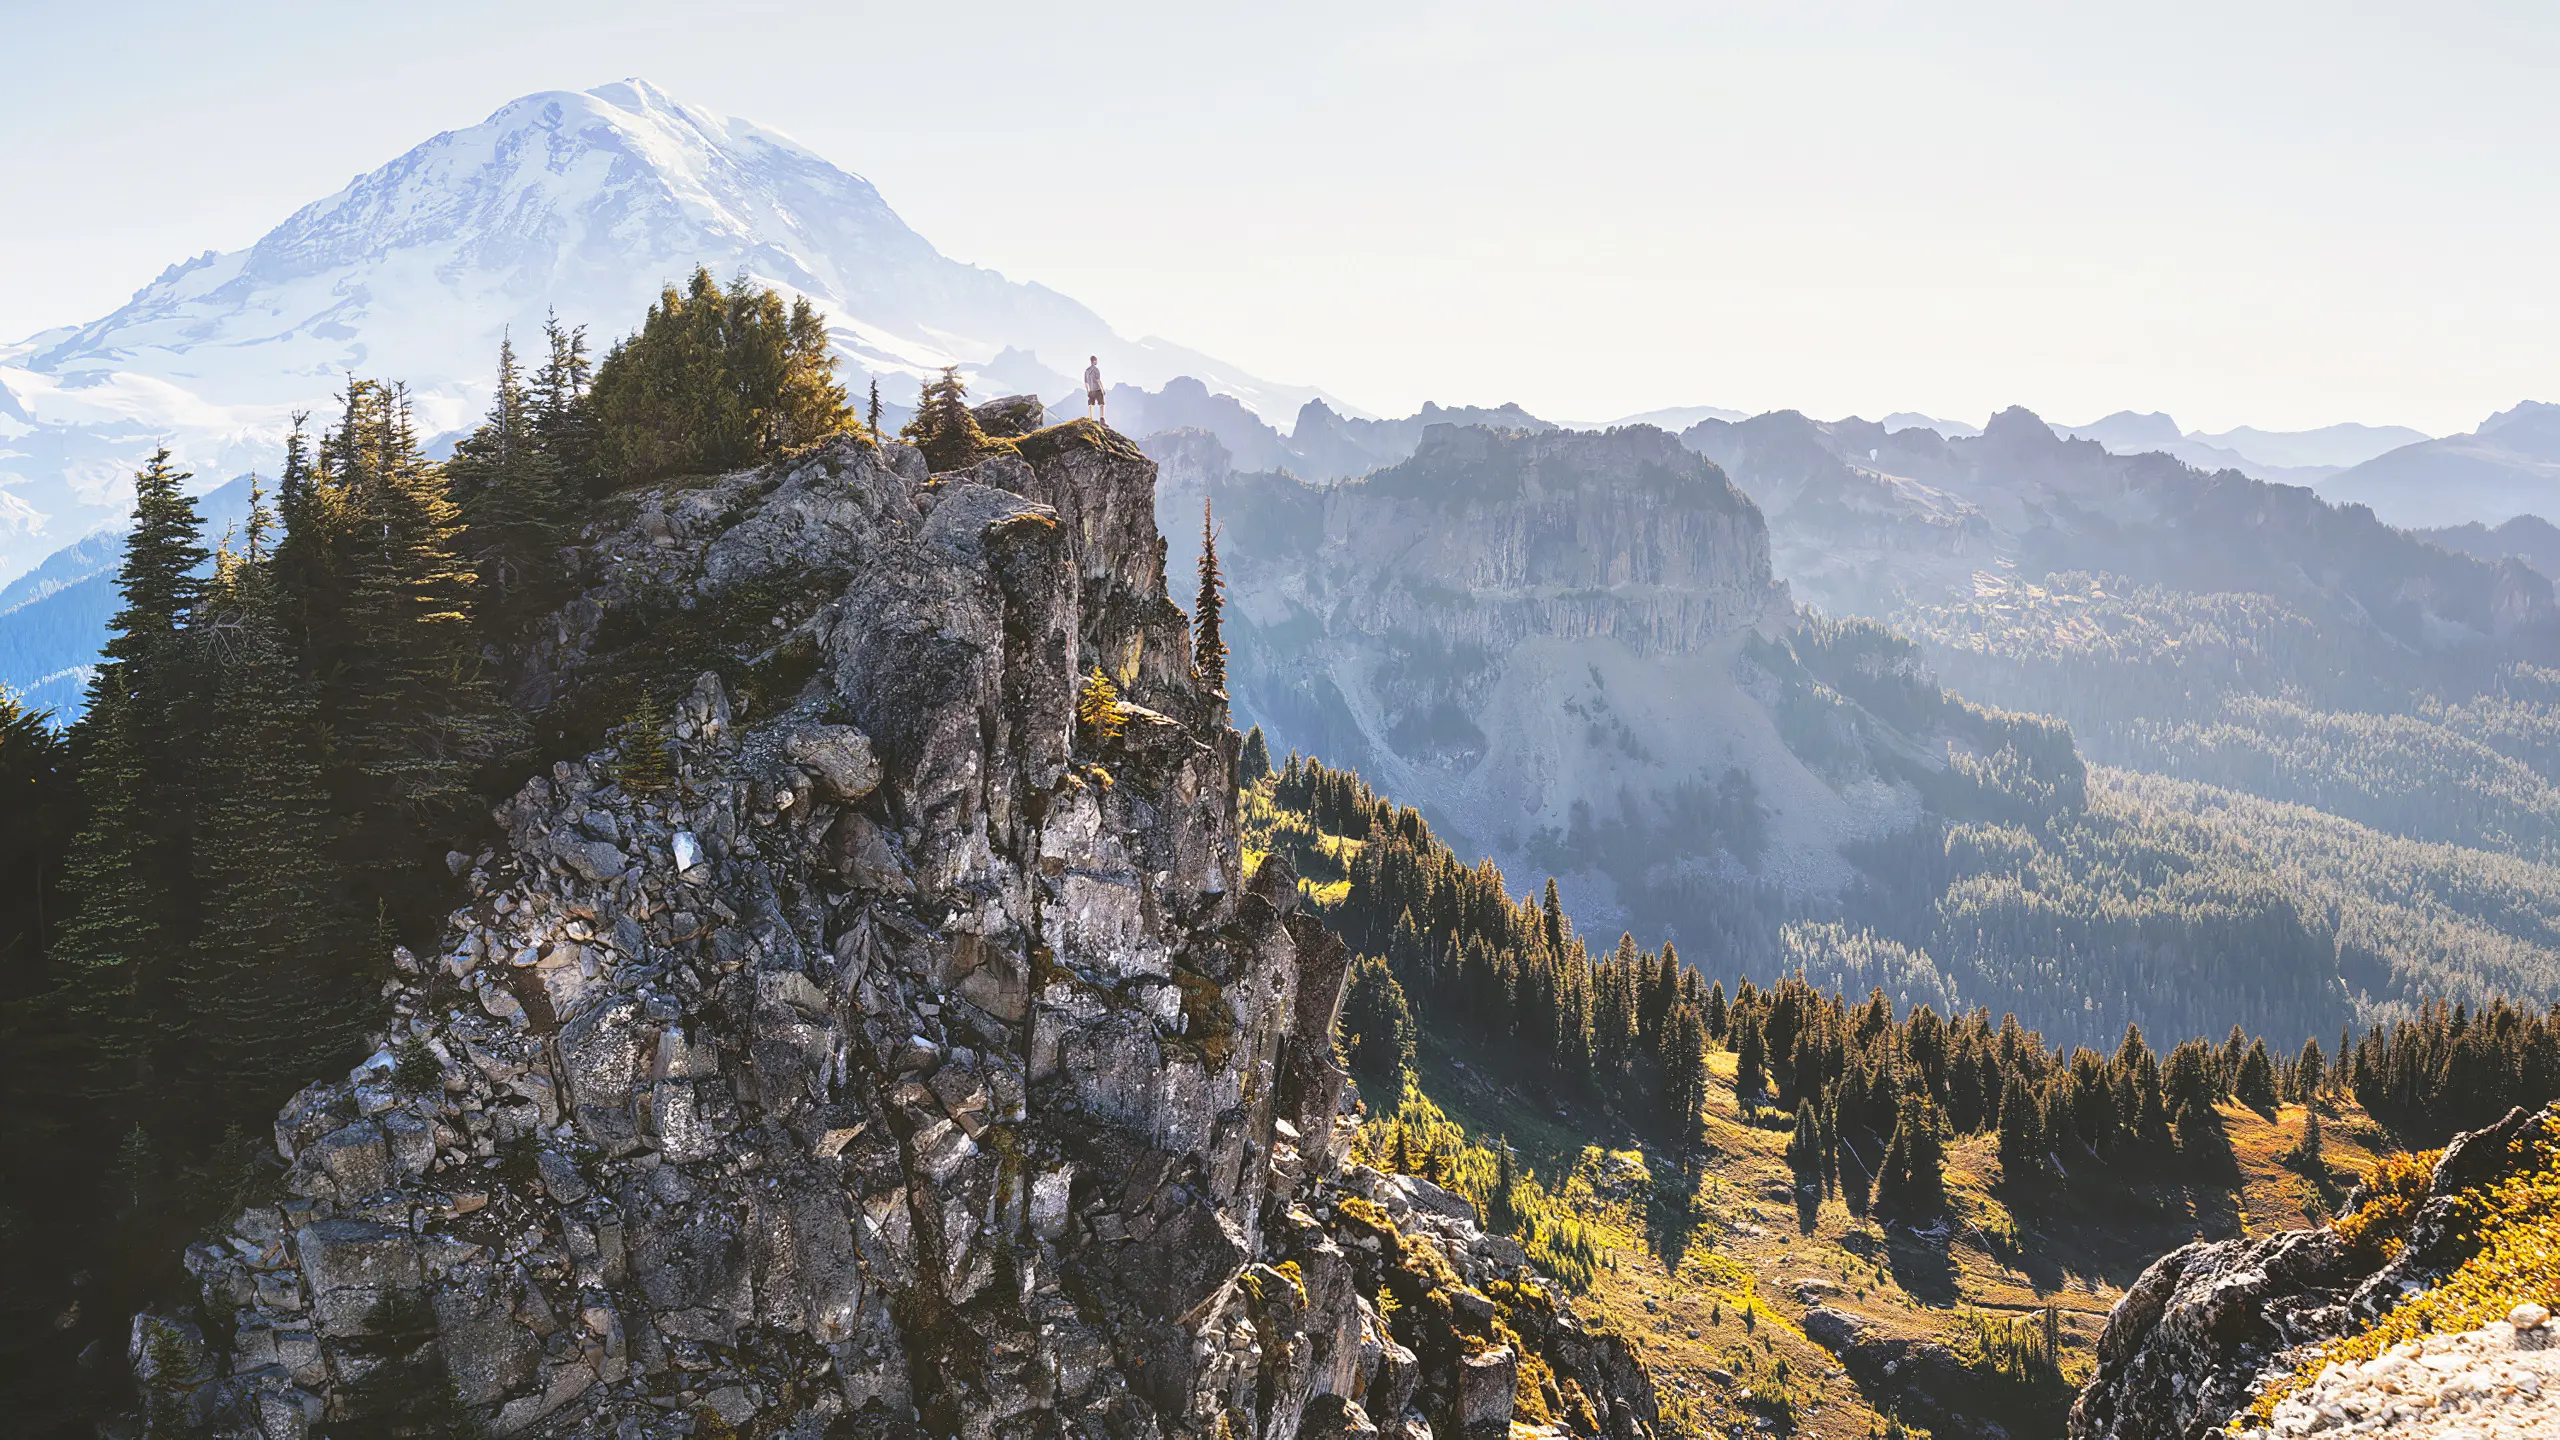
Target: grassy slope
{"points": [[1681, 1279], [1713, 1271]]}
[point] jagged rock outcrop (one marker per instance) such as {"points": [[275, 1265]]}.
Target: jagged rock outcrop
{"points": [[2188, 1346], [914, 1065]]}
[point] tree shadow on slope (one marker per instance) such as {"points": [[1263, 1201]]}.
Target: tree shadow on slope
{"points": [[2111, 1221], [1922, 1264], [1671, 1212]]}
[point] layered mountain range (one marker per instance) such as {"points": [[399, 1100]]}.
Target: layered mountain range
{"points": [[2509, 466], [2301, 457]]}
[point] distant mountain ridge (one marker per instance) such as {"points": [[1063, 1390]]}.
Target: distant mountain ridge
{"points": [[583, 203], [1867, 521], [2296, 457], [2509, 466]]}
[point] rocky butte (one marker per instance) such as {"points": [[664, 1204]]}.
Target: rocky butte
{"points": [[1537, 637], [915, 1060]]}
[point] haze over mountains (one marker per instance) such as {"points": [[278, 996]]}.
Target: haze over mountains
{"points": [[585, 203], [2299, 457], [2510, 466]]}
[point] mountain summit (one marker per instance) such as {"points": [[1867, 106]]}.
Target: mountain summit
{"points": [[583, 203]]}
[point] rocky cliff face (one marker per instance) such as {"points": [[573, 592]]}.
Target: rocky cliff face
{"points": [[1537, 637], [2188, 1347], [914, 1062]]}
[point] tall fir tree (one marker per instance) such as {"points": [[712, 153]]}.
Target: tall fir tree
{"points": [[41, 798], [871, 417], [40, 801], [397, 653], [2310, 1074], [272, 980], [2255, 1083], [132, 908], [1804, 1148], [1911, 1184], [563, 417], [2022, 1143], [511, 494], [1208, 642]]}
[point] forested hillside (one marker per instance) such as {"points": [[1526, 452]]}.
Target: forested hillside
{"points": [[2247, 691], [2208, 626], [1834, 1201]]}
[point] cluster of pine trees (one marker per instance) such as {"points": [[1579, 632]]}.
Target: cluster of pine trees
{"points": [[2448, 1070], [288, 726], [1511, 978], [715, 378], [1876, 1091]]}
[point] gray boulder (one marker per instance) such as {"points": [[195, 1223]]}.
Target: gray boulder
{"points": [[838, 757]]}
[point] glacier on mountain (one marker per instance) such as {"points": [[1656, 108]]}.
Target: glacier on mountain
{"points": [[579, 203]]}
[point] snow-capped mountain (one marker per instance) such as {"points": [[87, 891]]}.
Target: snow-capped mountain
{"points": [[580, 203]]}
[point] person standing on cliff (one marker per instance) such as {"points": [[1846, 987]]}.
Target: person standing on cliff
{"points": [[1093, 387]]}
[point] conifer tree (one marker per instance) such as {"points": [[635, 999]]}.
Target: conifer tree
{"points": [[2022, 1144], [2310, 1074], [2191, 1089], [1686, 1068], [510, 493], [41, 799], [871, 419], [563, 419], [2255, 1085], [808, 404], [1208, 647], [132, 909], [1911, 1184], [1804, 1148], [272, 981], [2227, 1067], [1751, 1072], [41, 805], [714, 379], [403, 685], [1377, 1030], [1255, 765], [644, 760], [943, 427], [1098, 710], [2308, 1154]]}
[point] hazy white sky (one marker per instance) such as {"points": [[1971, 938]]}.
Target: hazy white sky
{"points": [[2280, 215]]}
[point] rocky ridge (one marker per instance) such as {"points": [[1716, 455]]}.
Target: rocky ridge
{"points": [[2189, 1347], [915, 1062]]}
